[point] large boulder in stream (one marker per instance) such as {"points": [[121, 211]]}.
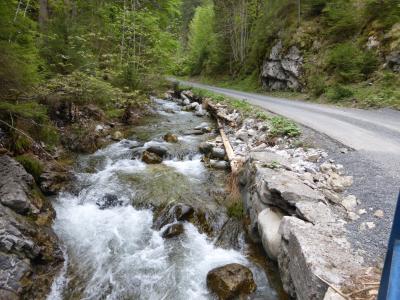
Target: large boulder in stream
{"points": [[108, 201], [230, 281], [151, 158], [30, 256], [159, 150], [173, 230], [171, 138]]}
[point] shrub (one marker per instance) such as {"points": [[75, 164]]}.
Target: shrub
{"points": [[315, 7], [317, 85], [341, 19], [31, 165], [281, 126], [350, 64], [338, 92]]}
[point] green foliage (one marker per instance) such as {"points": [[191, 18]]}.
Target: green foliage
{"points": [[20, 143], [28, 110], [385, 13], [281, 126], [338, 92], [350, 64], [202, 52], [317, 85], [341, 18], [19, 59], [31, 165], [315, 7]]}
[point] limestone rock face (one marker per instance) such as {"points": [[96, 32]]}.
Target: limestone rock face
{"points": [[282, 71], [310, 251], [30, 255], [231, 281]]}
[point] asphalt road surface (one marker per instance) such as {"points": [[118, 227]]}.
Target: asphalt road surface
{"points": [[374, 160]]}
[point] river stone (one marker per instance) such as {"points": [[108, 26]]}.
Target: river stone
{"points": [[173, 230], [205, 148], [159, 150], [204, 127], [117, 136], [151, 158], [269, 221], [218, 153], [170, 214], [230, 281], [171, 138], [219, 164], [108, 201]]}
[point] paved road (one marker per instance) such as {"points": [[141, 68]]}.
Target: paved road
{"points": [[374, 135]]}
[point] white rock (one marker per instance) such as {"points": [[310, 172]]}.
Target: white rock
{"points": [[379, 213], [353, 216], [362, 211], [269, 222], [350, 202]]}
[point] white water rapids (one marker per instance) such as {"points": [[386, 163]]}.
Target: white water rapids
{"points": [[115, 254]]}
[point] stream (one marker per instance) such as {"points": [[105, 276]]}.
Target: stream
{"points": [[114, 253]]}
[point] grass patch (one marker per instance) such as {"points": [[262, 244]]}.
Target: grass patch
{"points": [[31, 165], [283, 127], [236, 210]]}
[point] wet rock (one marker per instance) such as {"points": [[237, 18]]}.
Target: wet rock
{"points": [[194, 132], [218, 153], [171, 138], [53, 179], [269, 221], [173, 230], [204, 127], [159, 150], [117, 136], [231, 235], [219, 164], [178, 212], [200, 113], [108, 201], [231, 281], [205, 148], [151, 158]]}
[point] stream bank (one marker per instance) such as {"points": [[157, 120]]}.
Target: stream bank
{"points": [[297, 207], [135, 228]]}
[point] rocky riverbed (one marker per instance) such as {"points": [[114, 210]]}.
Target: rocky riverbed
{"points": [[146, 217]]}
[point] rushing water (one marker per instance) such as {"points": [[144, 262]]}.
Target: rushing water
{"points": [[114, 253]]}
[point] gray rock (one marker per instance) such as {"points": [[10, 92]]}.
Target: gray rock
{"points": [[282, 71], [30, 256], [219, 164], [218, 153], [159, 150], [15, 184], [309, 252], [206, 148], [393, 61]]}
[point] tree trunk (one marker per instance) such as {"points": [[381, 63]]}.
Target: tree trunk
{"points": [[43, 14]]}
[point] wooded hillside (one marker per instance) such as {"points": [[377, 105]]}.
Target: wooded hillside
{"points": [[340, 50]]}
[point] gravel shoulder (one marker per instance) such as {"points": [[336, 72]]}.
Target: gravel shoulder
{"points": [[373, 140]]}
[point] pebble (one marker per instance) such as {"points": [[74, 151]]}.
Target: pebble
{"points": [[379, 213]]}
